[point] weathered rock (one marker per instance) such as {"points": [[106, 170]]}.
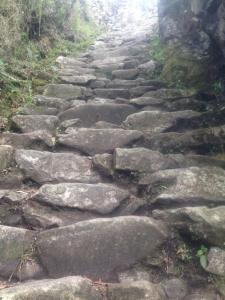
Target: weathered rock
{"points": [[38, 110], [44, 167], [58, 103], [148, 68], [134, 274], [64, 91], [98, 248], [170, 94], [99, 141], [69, 71], [35, 123], [71, 62], [140, 290], [156, 121], [35, 140], [104, 163], [79, 80], [6, 156], [92, 113], [146, 101], [140, 90], [142, 160], [125, 74], [216, 261], [112, 93], [73, 123], [200, 140], [175, 289], [198, 222], [198, 186], [15, 243], [72, 288], [100, 198]]}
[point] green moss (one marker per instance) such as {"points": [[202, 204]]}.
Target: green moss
{"points": [[182, 70]]}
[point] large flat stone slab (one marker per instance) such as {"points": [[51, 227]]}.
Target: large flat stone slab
{"points": [[156, 121], [101, 198], [58, 103], [44, 167], [89, 114], [6, 157], [128, 74], [73, 288], [30, 123], [98, 141], [99, 248], [203, 223], [33, 140], [79, 80], [64, 91], [189, 186]]}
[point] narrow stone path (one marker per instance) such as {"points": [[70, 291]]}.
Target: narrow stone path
{"points": [[100, 175]]}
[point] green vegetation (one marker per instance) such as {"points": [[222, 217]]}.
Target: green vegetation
{"points": [[202, 255], [33, 33]]}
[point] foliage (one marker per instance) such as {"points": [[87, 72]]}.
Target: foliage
{"points": [[218, 87], [157, 51], [202, 255], [33, 33]]}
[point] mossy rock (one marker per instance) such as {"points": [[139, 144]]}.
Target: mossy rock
{"points": [[185, 71]]}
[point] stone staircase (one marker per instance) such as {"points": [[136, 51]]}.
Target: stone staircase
{"points": [[102, 175]]}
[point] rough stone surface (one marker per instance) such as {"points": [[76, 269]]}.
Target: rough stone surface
{"points": [[140, 290], [92, 113], [36, 139], [98, 248], [14, 244], [156, 121], [43, 167], [125, 74], [72, 288], [6, 157], [99, 141], [112, 93], [199, 186], [35, 123], [104, 163], [64, 91], [79, 80], [202, 222], [100, 198], [216, 261]]}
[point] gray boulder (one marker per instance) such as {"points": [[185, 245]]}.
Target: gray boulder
{"points": [[156, 121], [101, 198], [216, 261], [16, 245], [125, 74], [35, 123], [44, 167], [35, 140], [194, 185], [202, 223], [112, 93], [64, 91], [99, 141], [100, 247], [73, 288], [141, 290], [92, 113], [79, 80]]}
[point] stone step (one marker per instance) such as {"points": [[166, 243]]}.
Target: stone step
{"points": [[97, 141], [186, 187], [128, 74], [65, 91], [200, 223], [200, 141], [73, 287], [65, 62], [78, 79], [157, 122], [76, 71], [89, 114], [58, 103], [38, 140], [30, 123], [99, 248], [44, 167], [31, 109]]}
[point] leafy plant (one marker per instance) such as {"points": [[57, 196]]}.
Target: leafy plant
{"points": [[202, 255]]}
